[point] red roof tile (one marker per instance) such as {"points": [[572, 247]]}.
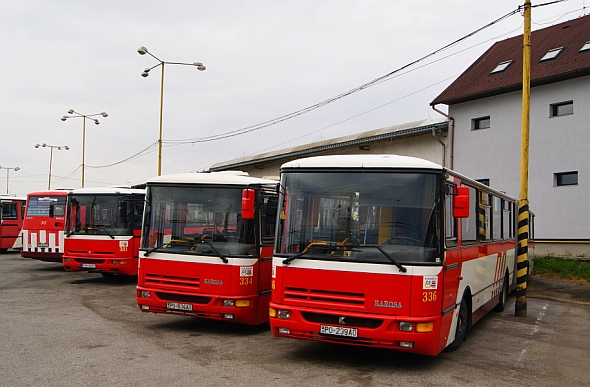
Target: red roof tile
{"points": [[477, 82]]}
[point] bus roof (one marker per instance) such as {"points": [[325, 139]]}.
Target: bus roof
{"points": [[9, 197], [223, 178], [107, 191], [362, 161], [56, 192]]}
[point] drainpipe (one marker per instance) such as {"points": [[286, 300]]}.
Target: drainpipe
{"points": [[451, 135]]}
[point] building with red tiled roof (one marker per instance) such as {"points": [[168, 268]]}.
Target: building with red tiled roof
{"points": [[484, 104]]}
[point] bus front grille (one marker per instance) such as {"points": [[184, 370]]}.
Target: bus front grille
{"points": [[170, 281], [343, 298]]}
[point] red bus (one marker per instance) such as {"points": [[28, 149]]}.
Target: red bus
{"points": [[206, 246], [103, 230], [44, 225], [388, 251], [11, 222]]}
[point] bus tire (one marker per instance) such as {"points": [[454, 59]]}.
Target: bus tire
{"points": [[462, 325], [503, 297]]}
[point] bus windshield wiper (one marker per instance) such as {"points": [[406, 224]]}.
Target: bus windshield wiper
{"points": [[104, 227], [158, 247], [325, 248], [393, 260], [223, 258]]}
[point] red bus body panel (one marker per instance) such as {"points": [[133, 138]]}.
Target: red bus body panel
{"points": [[101, 254], [204, 282], [43, 236], [11, 223]]}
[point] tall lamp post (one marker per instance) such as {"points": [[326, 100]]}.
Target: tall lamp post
{"points": [[8, 170], [74, 114], [142, 51], [58, 147]]}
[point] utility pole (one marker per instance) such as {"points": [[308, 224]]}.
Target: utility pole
{"points": [[522, 263]]}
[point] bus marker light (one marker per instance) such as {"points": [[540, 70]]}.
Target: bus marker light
{"points": [[228, 316], [242, 303], [425, 327], [284, 314], [284, 331], [406, 326], [406, 344], [272, 312]]}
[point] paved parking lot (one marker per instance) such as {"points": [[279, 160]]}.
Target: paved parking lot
{"points": [[80, 329]]}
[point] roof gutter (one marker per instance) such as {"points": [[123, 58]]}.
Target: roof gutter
{"points": [[345, 144]]}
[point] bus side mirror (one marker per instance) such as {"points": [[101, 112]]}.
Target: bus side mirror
{"points": [[248, 204], [461, 202]]}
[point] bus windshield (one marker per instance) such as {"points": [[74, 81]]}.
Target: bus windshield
{"points": [[46, 206], [197, 220], [104, 215], [391, 217]]}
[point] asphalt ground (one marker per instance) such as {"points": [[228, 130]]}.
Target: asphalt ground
{"points": [[80, 329], [555, 290]]}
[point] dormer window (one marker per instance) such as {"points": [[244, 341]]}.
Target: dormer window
{"points": [[551, 54], [502, 66], [585, 47]]}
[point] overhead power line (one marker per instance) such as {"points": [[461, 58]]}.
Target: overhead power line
{"points": [[333, 99]]}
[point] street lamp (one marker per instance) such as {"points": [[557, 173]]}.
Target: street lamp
{"points": [[85, 117], [142, 51], [7, 170], [44, 145]]}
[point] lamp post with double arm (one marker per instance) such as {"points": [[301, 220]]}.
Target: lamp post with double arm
{"points": [[73, 114], [142, 51], [51, 147]]}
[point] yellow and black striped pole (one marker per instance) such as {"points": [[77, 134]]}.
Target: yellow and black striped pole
{"points": [[523, 204]]}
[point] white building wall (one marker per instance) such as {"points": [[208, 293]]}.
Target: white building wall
{"points": [[557, 144]]}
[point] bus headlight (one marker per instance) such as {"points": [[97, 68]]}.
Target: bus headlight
{"points": [[284, 314], [405, 326], [144, 294]]}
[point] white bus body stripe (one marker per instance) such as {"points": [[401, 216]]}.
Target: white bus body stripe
{"points": [[358, 267]]}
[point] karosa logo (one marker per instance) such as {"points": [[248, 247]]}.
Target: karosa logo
{"points": [[388, 304], [213, 282]]}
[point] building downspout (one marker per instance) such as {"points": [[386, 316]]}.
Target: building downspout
{"points": [[444, 148], [451, 135]]}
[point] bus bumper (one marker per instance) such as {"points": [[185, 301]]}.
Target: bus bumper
{"points": [[248, 309], [380, 331]]}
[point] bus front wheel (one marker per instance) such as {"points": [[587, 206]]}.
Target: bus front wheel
{"points": [[462, 325]]}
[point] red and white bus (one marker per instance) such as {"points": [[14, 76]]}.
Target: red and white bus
{"points": [[207, 245], [11, 222], [44, 225], [104, 230], [388, 251]]}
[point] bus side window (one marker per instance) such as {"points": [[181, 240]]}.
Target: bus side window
{"points": [[469, 225], [450, 221]]}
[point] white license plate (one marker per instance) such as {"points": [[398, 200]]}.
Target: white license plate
{"points": [[88, 266], [179, 306], [338, 331]]}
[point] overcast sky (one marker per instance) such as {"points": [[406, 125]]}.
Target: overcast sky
{"points": [[264, 59]]}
